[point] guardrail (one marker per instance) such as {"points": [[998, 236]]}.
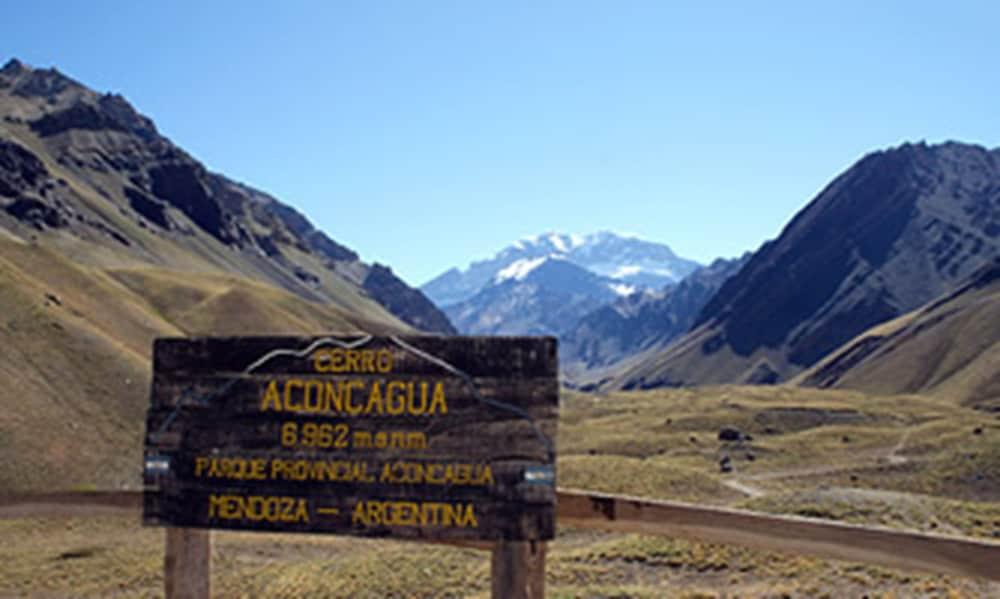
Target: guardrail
{"points": [[911, 550]]}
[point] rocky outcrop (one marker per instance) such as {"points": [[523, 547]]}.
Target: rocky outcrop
{"points": [[20, 169], [152, 209], [182, 185], [35, 213]]}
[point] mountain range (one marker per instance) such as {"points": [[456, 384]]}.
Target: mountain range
{"points": [[625, 262], [543, 285], [899, 229]]}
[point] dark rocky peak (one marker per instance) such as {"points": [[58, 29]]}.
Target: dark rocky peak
{"points": [[895, 230], [70, 104], [40, 83], [923, 162], [13, 68], [108, 113]]}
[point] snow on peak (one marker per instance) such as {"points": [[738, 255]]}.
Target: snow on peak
{"points": [[622, 289], [560, 242], [557, 242], [626, 270], [519, 269]]}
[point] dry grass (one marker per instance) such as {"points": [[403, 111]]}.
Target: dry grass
{"points": [[75, 348], [114, 557]]}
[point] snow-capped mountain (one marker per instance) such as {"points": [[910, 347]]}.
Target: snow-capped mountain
{"points": [[533, 296], [629, 264], [543, 285]]}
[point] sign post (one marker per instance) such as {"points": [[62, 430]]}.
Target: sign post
{"points": [[416, 437], [518, 570], [187, 563]]}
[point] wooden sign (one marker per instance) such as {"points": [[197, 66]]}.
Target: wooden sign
{"points": [[411, 437]]}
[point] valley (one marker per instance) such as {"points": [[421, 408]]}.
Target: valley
{"points": [[848, 369]]}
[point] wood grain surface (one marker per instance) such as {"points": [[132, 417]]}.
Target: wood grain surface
{"points": [[406, 437]]}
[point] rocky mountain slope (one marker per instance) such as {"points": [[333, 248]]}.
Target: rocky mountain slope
{"points": [[632, 264], [86, 173], [896, 230], [110, 236], [643, 320], [949, 348]]}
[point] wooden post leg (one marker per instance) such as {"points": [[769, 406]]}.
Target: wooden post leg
{"points": [[518, 570], [187, 561]]}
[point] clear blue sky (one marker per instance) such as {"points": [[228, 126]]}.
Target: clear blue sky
{"points": [[426, 134]]}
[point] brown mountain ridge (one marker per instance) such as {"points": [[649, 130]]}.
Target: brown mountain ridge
{"points": [[110, 236], [898, 229], [87, 173]]}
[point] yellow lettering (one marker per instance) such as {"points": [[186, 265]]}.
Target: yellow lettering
{"points": [[408, 513], [319, 364], [376, 510], [288, 395], [271, 401], [360, 514], [384, 360], [351, 359], [362, 439], [258, 507], [368, 361], [349, 405], [312, 400], [374, 399], [416, 440], [396, 403], [332, 402], [438, 403]]}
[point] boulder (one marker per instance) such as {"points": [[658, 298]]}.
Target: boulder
{"points": [[729, 433]]}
